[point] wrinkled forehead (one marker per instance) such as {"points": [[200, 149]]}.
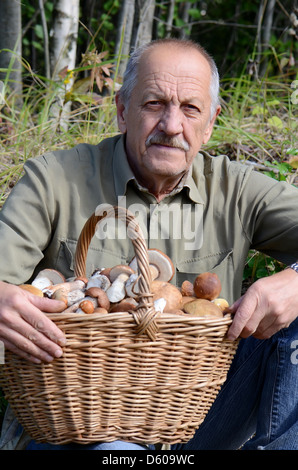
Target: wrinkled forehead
{"points": [[174, 68]]}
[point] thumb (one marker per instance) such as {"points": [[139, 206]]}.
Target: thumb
{"points": [[243, 309]]}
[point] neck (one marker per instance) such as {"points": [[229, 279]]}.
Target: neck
{"points": [[159, 186]]}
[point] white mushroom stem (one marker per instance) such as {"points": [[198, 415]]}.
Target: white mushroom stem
{"points": [[131, 286], [117, 290]]}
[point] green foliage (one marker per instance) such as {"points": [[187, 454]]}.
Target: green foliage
{"points": [[259, 265]]}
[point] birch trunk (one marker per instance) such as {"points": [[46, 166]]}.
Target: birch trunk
{"points": [[63, 51], [124, 33], [11, 39], [144, 23]]}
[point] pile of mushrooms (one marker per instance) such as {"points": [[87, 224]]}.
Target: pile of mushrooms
{"points": [[115, 289]]}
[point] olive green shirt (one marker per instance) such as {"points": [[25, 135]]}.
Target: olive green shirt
{"points": [[217, 213]]}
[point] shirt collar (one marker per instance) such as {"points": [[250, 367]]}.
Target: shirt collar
{"points": [[123, 175]]}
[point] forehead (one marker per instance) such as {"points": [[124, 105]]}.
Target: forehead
{"points": [[172, 69]]}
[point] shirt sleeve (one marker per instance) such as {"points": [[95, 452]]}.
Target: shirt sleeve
{"points": [[269, 213], [26, 221]]}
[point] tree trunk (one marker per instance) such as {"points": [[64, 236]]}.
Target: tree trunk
{"points": [[144, 22], [64, 36], [267, 33], [124, 33], [11, 39], [63, 52], [185, 32], [170, 18]]}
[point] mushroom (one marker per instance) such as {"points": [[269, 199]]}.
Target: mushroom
{"points": [[124, 305], [170, 293], [160, 262], [87, 306], [67, 287], [100, 310], [120, 269], [98, 280], [207, 286], [131, 286], [105, 272], [203, 308], [159, 304], [116, 291], [223, 304], [48, 277], [187, 288], [100, 295], [185, 299], [68, 297], [32, 289]]}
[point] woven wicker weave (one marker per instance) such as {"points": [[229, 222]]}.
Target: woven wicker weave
{"points": [[137, 376]]}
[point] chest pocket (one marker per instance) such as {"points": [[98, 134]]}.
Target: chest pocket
{"points": [[220, 263], [96, 258]]}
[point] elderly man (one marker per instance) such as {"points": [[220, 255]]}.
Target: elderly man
{"points": [[166, 110]]}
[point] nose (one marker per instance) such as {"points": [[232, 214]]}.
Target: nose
{"points": [[171, 120]]}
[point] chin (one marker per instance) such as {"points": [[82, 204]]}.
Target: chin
{"points": [[166, 167]]}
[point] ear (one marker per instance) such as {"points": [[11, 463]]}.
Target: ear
{"points": [[209, 129], [121, 112]]}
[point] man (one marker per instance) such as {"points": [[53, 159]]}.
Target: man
{"points": [[166, 110]]}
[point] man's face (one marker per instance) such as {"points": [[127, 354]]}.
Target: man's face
{"points": [[168, 117]]}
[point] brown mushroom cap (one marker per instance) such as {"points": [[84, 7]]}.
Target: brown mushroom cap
{"points": [[223, 304], [120, 269], [87, 306], [100, 295], [32, 289], [169, 292], [207, 286], [203, 308], [159, 261], [124, 305], [187, 288]]}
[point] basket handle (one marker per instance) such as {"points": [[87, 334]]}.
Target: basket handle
{"points": [[145, 313]]}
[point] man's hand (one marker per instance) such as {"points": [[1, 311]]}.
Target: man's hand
{"points": [[269, 305], [25, 329]]}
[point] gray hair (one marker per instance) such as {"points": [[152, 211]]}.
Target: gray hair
{"points": [[131, 73]]}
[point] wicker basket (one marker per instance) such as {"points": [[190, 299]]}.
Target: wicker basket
{"points": [[136, 376]]}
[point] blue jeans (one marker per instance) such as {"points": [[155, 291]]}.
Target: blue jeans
{"points": [[259, 399]]}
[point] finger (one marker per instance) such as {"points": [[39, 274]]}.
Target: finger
{"points": [[243, 314], [19, 352], [45, 304], [26, 347], [34, 316], [32, 332]]}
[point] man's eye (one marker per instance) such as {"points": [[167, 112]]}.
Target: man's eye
{"points": [[153, 104], [192, 108]]}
